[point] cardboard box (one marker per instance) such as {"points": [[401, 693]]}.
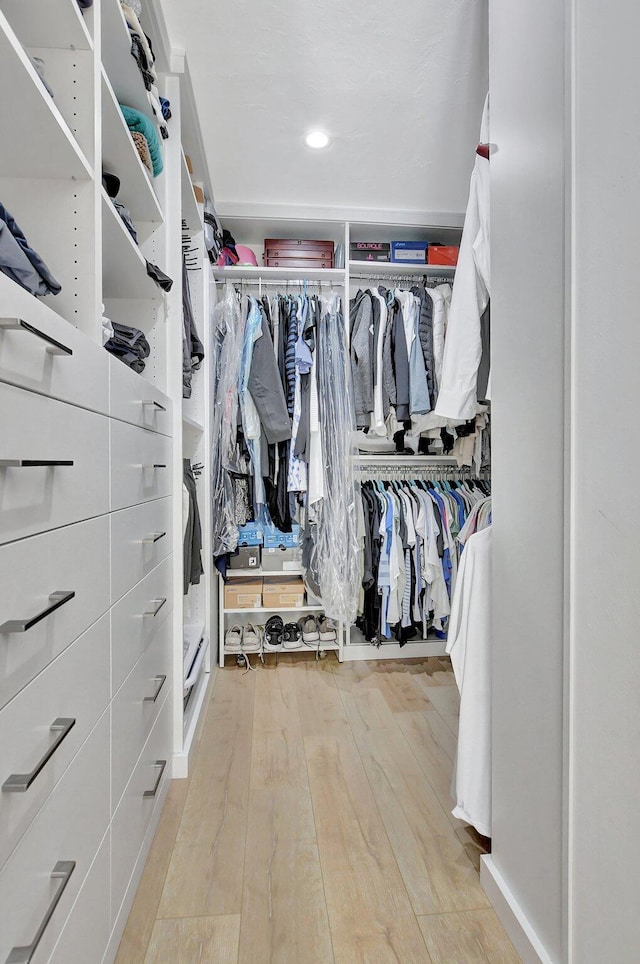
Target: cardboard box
{"points": [[283, 593], [275, 539], [243, 593], [281, 559], [245, 557], [409, 252], [251, 534], [199, 193], [370, 251], [443, 254]]}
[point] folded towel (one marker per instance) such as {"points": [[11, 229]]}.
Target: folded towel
{"points": [[143, 150], [141, 124]]}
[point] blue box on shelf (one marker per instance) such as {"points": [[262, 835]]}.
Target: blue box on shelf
{"points": [[409, 252], [274, 539], [251, 534]]}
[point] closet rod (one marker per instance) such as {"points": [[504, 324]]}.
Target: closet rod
{"points": [[438, 472], [295, 282], [387, 279]]}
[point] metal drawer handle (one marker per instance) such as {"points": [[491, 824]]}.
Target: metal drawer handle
{"points": [[57, 599], [156, 405], [154, 612], [161, 680], [62, 872], [29, 463], [160, 764], [20, 782], [17, 324], [154, 537], [155, 465]]}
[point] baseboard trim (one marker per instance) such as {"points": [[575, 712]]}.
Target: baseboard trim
{"points": [[513, 919]]}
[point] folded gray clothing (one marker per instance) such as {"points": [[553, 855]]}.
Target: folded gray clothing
{"points": [[16, 265], [52, 286], [131, 338], [38, 63], [125, 355]]}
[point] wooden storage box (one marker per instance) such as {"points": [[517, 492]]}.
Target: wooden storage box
{"points": [[243, 593], [283, 593], [284, 253]]}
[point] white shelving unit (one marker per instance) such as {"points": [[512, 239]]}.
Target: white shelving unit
{"points": [[354, 274], [54, 150]]}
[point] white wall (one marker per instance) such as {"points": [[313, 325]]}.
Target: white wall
{"points": [[605, 645], [526, 64]]}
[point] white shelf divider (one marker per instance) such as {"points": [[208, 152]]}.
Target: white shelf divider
{"points": [[36, 140], [42, 23], [124, 268], [122, 70], [120, 157]]}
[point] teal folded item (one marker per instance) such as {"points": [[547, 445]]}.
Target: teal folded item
{"points": [[136, 121]]}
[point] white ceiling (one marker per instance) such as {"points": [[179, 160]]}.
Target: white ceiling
{"points": [[398, 85]]}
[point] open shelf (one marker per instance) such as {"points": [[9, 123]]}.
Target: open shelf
{"points": [[280, 609], [192, 423], [263, 573], [192, 634], [248, 272], [119, 156], [36, 140], [380, 269], [333, 646], [41, 23], [124, 268], [190, 209], [122, 69]]}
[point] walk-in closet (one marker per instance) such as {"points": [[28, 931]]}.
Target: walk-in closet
{"points": [[318, 636]]}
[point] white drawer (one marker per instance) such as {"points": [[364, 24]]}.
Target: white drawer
{"points": [[132, 630], [141, 538], [134, 399], [69, 827], [46, 354], [135, 707], [135, 810], [73, 559], [140, 465], [86, 933], [37, 498], [75, 687]]}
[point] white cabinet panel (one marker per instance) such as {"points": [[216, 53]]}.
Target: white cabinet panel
{"points": [[34, 498], [136, 705], [133, 625], [72, 559], [140, 465], [74, 691], [141, 538], [86, 933], [48, 355], [135, 810], [134, 399], [68, 828]]}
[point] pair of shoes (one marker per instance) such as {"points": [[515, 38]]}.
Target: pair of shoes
{"points": [[279, 635], [317, 630], [240, 640]]}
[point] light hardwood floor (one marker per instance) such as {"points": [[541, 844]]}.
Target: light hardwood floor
{"points": [[316, 827]]}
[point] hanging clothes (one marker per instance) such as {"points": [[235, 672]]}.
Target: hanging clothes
{"points": [[192, 546], [409, 547], [469, 645], [458, 394]]}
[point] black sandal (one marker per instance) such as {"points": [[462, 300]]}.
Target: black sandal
{"points": [[273, 632]]}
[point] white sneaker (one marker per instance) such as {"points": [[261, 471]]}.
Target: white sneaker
{"points": [[310, 634], [251, 639], [327, 629], [233, 640]]}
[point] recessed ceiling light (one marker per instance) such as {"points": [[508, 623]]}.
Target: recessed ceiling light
{"points": [[317, 140]]}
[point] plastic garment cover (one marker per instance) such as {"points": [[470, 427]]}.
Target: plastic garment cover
{"points": [[333, 553], [227, 335]]}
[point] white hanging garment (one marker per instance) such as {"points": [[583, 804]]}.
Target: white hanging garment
{"points": [[469, 645], [463, 345]]}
